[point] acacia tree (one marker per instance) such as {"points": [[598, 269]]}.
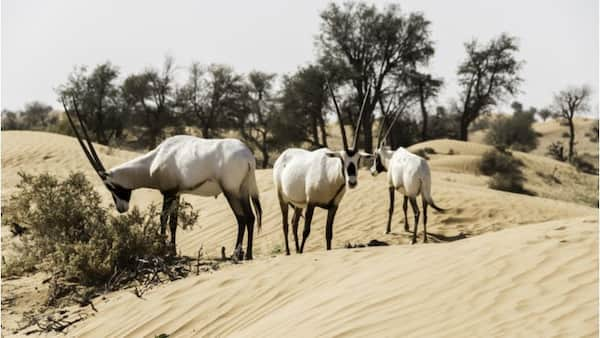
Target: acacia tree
{"points": [[489, 73], [257, 115], [367, 46], [210, 96], [304, 99], [569, 102], [36, 115], [544, 113], [149, 98], [96, 97], [424, 87]]}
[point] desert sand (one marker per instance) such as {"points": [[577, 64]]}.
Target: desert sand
{"points": [[528, 265]]}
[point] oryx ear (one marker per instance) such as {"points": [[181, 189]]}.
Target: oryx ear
{"points": [[334, 154], [365, 154]]}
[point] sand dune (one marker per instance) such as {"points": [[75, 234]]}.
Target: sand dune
{"points": [[536, 279]]}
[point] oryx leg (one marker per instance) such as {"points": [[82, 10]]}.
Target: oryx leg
{"points": [[238, 211], [284, 219], [405, 208], [307, 220], [390, 210], [249, 221], [173, 219], [164, 215], [329, 226], [424, 219], [295, 221], [415, 208]]}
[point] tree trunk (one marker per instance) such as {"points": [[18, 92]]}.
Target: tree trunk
{"points": [[464, 129], [571, 139], [425, 118], [313, 129], [323, 131], [265, 159]]}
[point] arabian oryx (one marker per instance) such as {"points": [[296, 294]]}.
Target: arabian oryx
{"points": [[407, 173], [184, 164], [309, 179]]}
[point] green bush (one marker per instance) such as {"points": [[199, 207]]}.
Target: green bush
{"points": [[504, 169], [514, 132], [556, 150], [73, 235]]}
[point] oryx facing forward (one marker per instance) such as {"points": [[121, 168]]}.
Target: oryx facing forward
{"points": [[407, 173], [185, 164], [309, 179]]}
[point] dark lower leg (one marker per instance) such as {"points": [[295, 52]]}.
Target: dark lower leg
{"points": [[329, 225], [249, 220], [173, 219], [390, 211], [405, 208], [415, 208], [424, 220], [295, 221], [164, 215], [236, 207], [307, 219], [284, 218]]}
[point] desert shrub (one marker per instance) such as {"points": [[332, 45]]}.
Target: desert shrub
{"points": [[592, 134], [556, 150], [429, 150], [565, 134], [481, 123], [72, 235], [515, 132], [505, 171], [582, 165], [422, 153], [495, 161]]}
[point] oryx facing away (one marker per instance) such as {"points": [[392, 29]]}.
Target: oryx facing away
{"points": [[184, 164], [407, 173], [309, 179]]}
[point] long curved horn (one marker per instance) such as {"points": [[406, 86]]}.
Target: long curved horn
{"points": [[360, 116], [390, 126], [87, 137], [382, 125], [86, 151], [339, 115]]}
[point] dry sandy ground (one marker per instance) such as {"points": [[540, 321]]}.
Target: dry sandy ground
{"points": [[522, 280]]}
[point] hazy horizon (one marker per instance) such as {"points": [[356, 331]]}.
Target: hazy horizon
{"points": [[43, 41]]}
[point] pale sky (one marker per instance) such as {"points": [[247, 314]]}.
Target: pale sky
{"points": [[43, 40]]}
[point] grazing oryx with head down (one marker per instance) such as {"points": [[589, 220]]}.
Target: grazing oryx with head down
{"points": [[184, 164], [407, 173], [309, 179]]}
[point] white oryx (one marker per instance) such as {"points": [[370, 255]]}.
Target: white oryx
{"points": [[185, 164], [410, 175], [309, 179]]}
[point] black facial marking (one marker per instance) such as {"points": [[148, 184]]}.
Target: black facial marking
{"points": [[120, 192], [351, 169], [378, 165], [351, 152]]}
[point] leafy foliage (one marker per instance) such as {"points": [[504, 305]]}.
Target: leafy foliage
{"points": [[515, 132], [74, 236], [504, 169]]}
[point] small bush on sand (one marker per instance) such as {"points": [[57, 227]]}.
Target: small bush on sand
{"points": [[504, 169], [515, 132], [582, 165], [71, 235], [556, 150]]}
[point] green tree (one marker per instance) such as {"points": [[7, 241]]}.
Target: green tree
{"points": [[10, 120], [258, 114], [36, 115], [304, 99], [544, 114], [515, 131], [365, 46], [489, 73], [149, 98], [210, 97], [96, 97], [569, 102]]}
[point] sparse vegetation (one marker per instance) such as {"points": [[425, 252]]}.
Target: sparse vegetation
{"points": [[514, 132], [504, 169], [556, 150], [75, 239]]}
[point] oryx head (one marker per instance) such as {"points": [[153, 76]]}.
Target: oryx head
{"points": [[350, 156], [121, 195], [381, 150]]}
